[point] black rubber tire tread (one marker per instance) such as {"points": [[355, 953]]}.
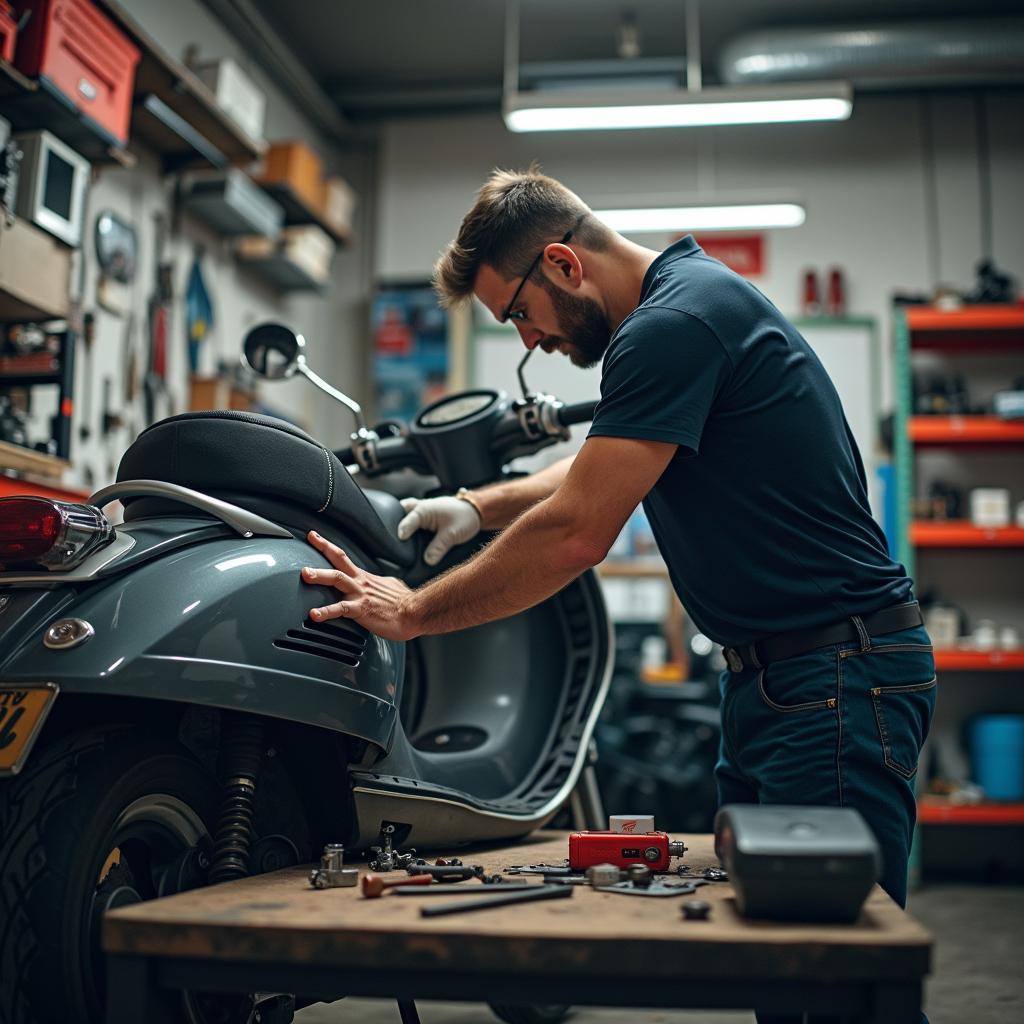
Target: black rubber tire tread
{"points": [[528, 1014], [52, 818]]}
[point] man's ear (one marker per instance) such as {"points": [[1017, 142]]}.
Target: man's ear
{"points": [[564, 261]]}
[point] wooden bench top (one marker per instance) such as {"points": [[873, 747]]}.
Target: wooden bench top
{"points": [[279, 918]]}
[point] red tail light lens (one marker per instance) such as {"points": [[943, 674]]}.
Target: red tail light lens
{"points": [[29, 528], [55, 535]]}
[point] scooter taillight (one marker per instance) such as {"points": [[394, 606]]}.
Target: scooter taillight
{"points": [[49, 534]]}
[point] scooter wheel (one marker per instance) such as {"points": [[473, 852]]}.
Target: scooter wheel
{"points": [[528, 1014], [96, 820]]}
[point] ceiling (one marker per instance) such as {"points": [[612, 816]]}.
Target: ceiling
{"points": [[401, 56]]}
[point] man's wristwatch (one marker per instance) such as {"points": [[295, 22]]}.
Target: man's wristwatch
{"points": [[464, 494]]}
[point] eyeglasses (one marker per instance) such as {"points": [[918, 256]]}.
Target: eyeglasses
{"points": [[519, 315]]}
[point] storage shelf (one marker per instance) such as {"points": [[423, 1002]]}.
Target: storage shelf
{"points": [[161, 76], [961, 533], [941, 430], [979, 661], [941, 812], [297, 210], [1007, 317]]}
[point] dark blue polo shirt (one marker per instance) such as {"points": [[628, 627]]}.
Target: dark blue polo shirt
{"points": [[762, 515]]}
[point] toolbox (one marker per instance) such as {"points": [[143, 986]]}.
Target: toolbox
{"points": [[78, 53], [295, 166], [797, 863]]}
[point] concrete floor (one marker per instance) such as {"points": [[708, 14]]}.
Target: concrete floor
{"points": [[976, 972]]}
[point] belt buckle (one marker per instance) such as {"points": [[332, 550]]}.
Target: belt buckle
{"points": [[733, 660]]}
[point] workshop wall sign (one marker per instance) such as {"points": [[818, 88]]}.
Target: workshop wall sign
{"points": [[741, 253]]}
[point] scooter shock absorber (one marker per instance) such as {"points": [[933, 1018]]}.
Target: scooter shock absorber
{"points": [[241, 751]]}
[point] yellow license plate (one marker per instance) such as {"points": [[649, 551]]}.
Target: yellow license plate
{"points": [[23, 709]]}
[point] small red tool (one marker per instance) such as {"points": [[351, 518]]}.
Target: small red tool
{"points": [[374, 885], [654, 849]]}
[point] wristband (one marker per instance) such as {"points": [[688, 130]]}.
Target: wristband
{"points": [[463, 494]]}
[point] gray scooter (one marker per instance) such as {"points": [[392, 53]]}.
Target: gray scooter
{"points": [[170, 717]]}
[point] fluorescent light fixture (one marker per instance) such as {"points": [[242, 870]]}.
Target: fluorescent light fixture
{"points": [[664, 219], [676, 108]]}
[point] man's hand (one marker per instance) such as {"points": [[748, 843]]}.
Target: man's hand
{"points": [[378, 603], [453, 521]]}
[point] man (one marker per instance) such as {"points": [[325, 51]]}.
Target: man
{"points": [[716, 414]]}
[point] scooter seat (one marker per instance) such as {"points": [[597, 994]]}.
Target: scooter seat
{"points": [[268, 466]]}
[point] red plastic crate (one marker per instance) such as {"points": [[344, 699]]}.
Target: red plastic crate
{"points": [[73, 48]]}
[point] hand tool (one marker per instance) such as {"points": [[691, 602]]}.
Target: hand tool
{"points": [[154, 385], [461, 890], [88, 337], [500, 899], [654, 849], [374, 885], [657, 888], [447, 872], [540, 869], [332, 872]]}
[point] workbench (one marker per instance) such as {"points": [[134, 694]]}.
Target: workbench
{"points": [[274, 933]]}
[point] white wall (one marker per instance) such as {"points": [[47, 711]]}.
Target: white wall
{"points": [[862, 181], [334, 324]]}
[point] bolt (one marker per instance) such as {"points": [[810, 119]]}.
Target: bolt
{"points": [[640, 875], [374, 885], [696, 910]]}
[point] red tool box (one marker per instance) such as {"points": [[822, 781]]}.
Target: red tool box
{"points": [[79, 53], [654, 849], [8, 32]]}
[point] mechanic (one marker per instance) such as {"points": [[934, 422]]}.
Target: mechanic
{"points": [[716, 414]]}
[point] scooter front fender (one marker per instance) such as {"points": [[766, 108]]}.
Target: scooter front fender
{"points": [[224, 624]]}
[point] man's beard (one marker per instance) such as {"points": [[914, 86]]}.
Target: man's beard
{"points": [[583, 326]]}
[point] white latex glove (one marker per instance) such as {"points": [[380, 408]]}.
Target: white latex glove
{"points": [[452, 520]]}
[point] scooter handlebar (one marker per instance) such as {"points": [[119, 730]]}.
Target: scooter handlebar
{"points": [[579, 412]]}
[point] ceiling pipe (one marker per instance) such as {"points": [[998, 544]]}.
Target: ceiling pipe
{"points": [[881, 56]]}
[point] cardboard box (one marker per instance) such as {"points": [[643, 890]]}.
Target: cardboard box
{"points": [[294, 164], [35, 273], [236, 94], [338, 205], [309, 247]]}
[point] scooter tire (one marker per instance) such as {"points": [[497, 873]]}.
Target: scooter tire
{"points": [[58, 819], [528, 1014]]}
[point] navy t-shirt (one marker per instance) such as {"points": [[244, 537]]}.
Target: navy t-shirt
{"points": [[762, 514]]}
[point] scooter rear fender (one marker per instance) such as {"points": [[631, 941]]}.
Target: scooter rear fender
{"points": [[222, 623]]}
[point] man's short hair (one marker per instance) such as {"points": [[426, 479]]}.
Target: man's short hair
{"points": [[515, 215]]}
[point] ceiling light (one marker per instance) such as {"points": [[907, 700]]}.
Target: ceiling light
{"points": [[665, 219], [676, 108]]}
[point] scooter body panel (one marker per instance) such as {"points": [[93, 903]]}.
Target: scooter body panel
{"points": [[221, 622]]}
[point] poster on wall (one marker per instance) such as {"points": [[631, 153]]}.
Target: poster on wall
{"points": [[743, 254], [410, 349]]}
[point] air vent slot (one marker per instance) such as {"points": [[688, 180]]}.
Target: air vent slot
{"points": [[344, 646]]}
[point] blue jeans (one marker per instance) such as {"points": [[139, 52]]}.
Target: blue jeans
{"points": [[840, 726]]}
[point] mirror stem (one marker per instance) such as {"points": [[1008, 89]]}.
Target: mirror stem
{"points": [[349, 403]]}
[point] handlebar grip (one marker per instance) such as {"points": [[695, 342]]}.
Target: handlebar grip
{"points": [[579, 412]]}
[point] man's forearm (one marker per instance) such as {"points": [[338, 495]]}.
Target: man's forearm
{"points": [[531, 560], [500, 503]]}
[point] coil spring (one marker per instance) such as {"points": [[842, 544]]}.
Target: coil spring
{"points": [[240, 755]]}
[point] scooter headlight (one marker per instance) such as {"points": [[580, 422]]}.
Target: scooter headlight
{"points": [[50, 534]]}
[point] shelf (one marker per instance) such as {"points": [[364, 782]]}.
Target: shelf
{"points": [[941, 812], [968, 318], [35, 273], [961, 533], [979, 661], [177, 90], [27, 460], [633, 569], [940, 430], [31, 103], [298, 211]]}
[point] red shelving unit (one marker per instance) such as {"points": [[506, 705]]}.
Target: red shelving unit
{"points": [[979, 661], [940, 430], [941, 812], [971, 329], [960, 533]]}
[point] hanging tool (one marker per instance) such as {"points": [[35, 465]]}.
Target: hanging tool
{"points": [[155, 383], [88, 336], [198, 310], [500, 899]]}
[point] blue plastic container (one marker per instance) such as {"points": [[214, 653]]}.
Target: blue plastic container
{"points": [[997, 751]]}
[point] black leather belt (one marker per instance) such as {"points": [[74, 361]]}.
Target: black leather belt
{"points": [[800, 641]]}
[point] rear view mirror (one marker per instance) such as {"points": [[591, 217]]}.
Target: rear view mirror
{"points": [[273, 351]]}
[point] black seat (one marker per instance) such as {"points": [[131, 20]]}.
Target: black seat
{"points": [[268, 466]]}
